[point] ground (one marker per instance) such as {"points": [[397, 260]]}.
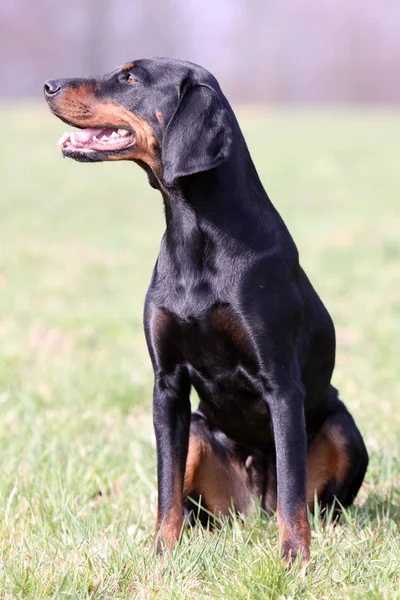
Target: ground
{"points": [[78, 469]]}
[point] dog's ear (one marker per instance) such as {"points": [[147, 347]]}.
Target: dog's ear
{"points": [[198, 136]]}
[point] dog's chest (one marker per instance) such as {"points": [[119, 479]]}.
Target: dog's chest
{"points": [[215, 345], [220, 354]]}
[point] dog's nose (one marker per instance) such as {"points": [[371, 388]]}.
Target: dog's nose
{"points": [[51, 87]]}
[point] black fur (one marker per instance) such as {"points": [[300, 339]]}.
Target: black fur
{"points": [[229, 309]]}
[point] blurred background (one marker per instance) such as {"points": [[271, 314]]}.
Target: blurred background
{"points": [[264, 50], [316, 87]]}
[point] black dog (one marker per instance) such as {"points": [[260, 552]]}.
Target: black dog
{"points": [[229, 309]]}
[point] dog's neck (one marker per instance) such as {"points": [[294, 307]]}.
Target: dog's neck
{"points": [[226, 207], [224, 198]]}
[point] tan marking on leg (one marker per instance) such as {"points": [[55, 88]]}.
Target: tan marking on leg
{"points": [[169, 526], [327, 459], [194, 458], [295, 535], [222, 485]]}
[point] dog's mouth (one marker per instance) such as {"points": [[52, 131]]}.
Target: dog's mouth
{"points": [[96, 140]]}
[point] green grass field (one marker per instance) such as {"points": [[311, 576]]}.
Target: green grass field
{"points": [[78, 470]]}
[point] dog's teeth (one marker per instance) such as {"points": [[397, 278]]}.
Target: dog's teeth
{"points": [[123, 132], [72, 138], [104, 138], [95, 138], [63, 138], [114, 135]]}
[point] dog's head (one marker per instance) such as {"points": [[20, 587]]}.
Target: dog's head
{"points": [[169, 116]]}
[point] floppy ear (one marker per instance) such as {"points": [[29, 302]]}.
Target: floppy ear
{"points": [[198, 137]]}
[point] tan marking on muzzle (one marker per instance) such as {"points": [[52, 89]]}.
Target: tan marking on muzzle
{"points": [[81, 108]]}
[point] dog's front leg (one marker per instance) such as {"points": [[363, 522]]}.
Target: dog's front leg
{"points": [[171, 416], [287, 413]]}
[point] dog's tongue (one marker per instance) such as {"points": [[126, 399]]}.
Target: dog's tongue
{"points": [[84, 135]]}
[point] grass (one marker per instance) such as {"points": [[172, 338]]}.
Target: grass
{"points": [[78, 472]]}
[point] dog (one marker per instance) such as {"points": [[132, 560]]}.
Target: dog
{"points": [[229, 310]]}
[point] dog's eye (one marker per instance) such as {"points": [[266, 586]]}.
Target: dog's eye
{"points": [[130, 78]]}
